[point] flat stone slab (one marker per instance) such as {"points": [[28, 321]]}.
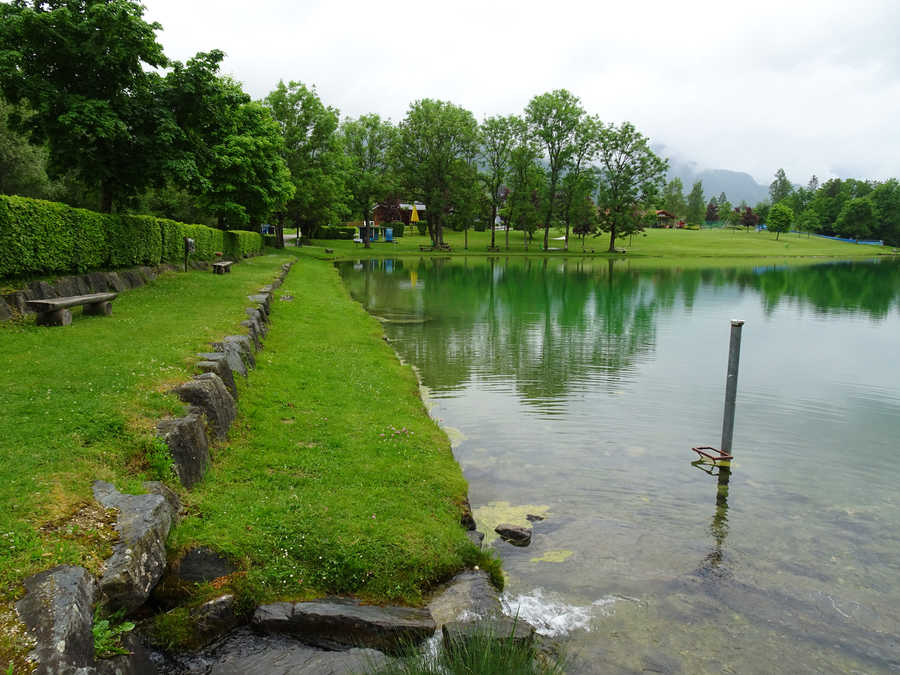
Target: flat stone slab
{"points": [[244, 653], [342, 624], [139, 556]]}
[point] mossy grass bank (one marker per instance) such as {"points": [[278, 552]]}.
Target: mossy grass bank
{"points": [[654, 243], [80, 402], [336, 480]]}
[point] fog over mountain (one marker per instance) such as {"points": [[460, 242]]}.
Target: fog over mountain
{"points": [[738, 186]]}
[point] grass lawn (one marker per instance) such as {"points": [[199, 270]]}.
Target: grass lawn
{"points": [[336, 481], [708, 243], [80, 403]]}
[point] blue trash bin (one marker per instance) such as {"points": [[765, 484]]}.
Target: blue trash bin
{"points": [[389, 234]]}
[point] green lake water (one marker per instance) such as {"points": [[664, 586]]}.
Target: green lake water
{"points": [[575, 389]]}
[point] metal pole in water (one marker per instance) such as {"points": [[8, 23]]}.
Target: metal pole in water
{"points": [[734, 357]]}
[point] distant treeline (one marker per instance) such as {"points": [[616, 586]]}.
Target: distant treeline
{"points": [[94, 114]]}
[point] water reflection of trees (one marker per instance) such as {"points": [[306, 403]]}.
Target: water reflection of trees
{"points": [[526, 319]]}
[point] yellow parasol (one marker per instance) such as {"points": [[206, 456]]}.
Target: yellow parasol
{"points": [[414, 218]]}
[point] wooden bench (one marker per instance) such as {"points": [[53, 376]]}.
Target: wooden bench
{"points": [[222, 266], [620, 250], [494, 249], [329, 250], [55, 312]]}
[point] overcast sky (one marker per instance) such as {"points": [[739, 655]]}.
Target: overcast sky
{"points": [[813, 87]]}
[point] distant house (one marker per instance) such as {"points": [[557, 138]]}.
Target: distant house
{"points": [[385, 213], [665, 219]]}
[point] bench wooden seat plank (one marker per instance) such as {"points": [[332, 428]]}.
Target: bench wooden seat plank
{"points": [[222, 266], [54, 311], [52, 304]]}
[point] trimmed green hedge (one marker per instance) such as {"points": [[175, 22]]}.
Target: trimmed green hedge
{"points": [[398, 228], [39, 237], [242, 244]]}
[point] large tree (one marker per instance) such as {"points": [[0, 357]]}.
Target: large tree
{"points": [[631, 178], [856, 218], [83, 66], [526, 185], [696, 207], [498, 138], [435, 145], [553, 119], [780, 219], [248, 179], [673, 198], [579, 179], [314, 155], [370, 177], [780, 188]]}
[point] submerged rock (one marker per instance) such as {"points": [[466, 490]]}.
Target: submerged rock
{"points": [[502, 629], [469, 596], [515, 535], [244, 653]]}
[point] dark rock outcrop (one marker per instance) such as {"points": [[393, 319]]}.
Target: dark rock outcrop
{"points": [[515, 535], [341, 624], [214, 619], [186, 439], [202, 564], [218, 364], [208, 392], [139, 556], [466, 519], [58, 611], [475, 537], [241, 345]]}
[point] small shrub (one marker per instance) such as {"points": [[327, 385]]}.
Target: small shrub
{"points": [[108, 634], [422, 227], [159, 459]]}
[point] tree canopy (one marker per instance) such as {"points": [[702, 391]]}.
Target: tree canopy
{"points": [[631, 176]]}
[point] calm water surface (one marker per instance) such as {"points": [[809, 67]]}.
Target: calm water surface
{"points": [[575, 390]]}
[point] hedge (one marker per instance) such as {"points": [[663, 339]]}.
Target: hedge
{"points": [[242, 244], [398, 227], [39, 237]]}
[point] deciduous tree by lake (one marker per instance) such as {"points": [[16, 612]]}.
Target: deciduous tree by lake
{"points": [[631, 176], [780, 219], [85, 70], [435, 143], [553, 118]]}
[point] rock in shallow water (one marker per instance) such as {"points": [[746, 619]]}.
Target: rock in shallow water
{"points": [[342, 623], [515, 535], [245, 653]]}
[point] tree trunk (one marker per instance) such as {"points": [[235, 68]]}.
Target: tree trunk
{"points": [[106, 197], [279, 232], [466, 235], [567, 234], [507, 235], [365, 230], [493, 218], [612, 239]]}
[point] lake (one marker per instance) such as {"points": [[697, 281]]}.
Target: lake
{"points": [[574, 390]]}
